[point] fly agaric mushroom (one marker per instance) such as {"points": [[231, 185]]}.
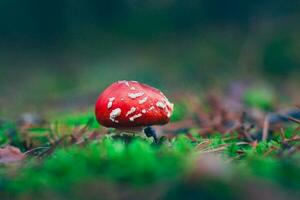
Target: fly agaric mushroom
{"points": [[130, 105]]}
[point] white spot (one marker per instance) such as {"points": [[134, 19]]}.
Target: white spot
{"points": [[114, 114], [132, 110], [135, 117], [110, 102], [160, 104], [151, 108], [124, 82], [132, 88], [135, 95], [168, 103], [168, 114], [144, 111], [122, 99], [143, 100], [171, 105]]}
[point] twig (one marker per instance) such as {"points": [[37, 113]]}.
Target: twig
{"points": [[265, 128], [295, 139], [282, 134], [31, 150], [215, 150], [223, 147], [52, 148], [81, 131], [294, 120], [231, 137], [270, 151], [203, 144], [294, 133]]}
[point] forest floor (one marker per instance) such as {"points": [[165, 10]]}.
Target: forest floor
{"points": [[215, 147]]}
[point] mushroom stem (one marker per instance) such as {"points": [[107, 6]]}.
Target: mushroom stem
{"points": [[133, 131], [129, 132], [150, 132]]}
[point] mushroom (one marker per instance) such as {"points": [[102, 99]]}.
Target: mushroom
{"points": [[130, 106]]}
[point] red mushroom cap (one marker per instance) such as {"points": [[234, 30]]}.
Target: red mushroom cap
{"points": [[126, 104]]}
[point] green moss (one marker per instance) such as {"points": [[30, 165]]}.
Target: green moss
{"points": [[137, 163], [141, 164], [78, 119]]}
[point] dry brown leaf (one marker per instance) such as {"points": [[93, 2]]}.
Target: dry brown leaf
{"points": [[9, 154]]}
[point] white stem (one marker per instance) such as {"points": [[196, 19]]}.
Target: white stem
{"points": [[133, 131]]}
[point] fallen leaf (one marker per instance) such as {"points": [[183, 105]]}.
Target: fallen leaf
{"points": [[9, 154]]}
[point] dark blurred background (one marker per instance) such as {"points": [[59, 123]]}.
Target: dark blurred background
{"points": [[64, 49]]}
